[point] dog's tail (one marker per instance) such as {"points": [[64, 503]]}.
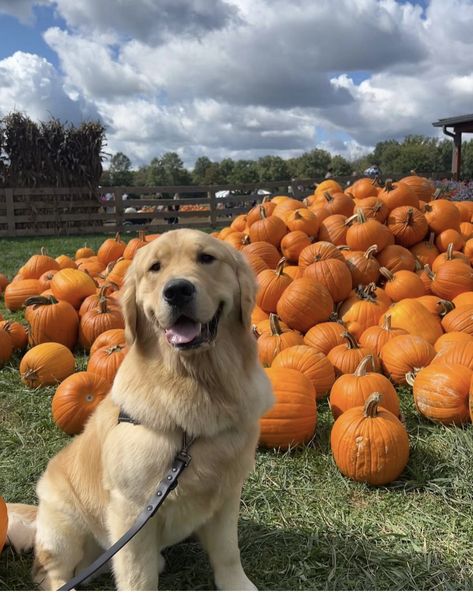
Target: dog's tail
{"points": [[21, 526]]}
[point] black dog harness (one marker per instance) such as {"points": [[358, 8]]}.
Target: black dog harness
{"points": [[165, 486]]}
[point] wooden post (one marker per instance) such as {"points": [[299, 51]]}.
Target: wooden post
{"points": [[118, 208], [457, 155], [10, 212], [213, 209]]}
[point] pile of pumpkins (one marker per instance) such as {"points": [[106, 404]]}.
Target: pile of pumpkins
{"points": [[70, 303], [360, 290]]}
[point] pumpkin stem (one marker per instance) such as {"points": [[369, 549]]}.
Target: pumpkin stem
{"points": [[114, 348], [117, 236], [103, 305], [436, 194], [40, 300], [361, 368], [274, 325], [450, 251], [386, 322], [386, 273], [351, 341], [262, 212], [43, 251], [141, 235], [297, 215], [410, 377], [446, 306], [388, 185], [246, 240], [350, 220], [371, 405], [255, 331], [429, 272], [371, 251], [280, 266], [328, 196], [410, 216], [431, 239]]}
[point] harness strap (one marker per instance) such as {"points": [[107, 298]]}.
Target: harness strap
{"points": [[165, 486]]}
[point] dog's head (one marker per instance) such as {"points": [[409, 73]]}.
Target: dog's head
{"points": [[185, 286]]}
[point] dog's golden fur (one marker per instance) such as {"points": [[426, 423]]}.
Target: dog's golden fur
{"points": [[93, 489]]}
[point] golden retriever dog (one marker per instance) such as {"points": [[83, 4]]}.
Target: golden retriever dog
{"points": [[192, 367]]}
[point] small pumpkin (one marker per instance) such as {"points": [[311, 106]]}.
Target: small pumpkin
{"points": [[396, 258], [111, 249], [352, 390], [269, 253], [402, 284], [345, 358], [96, 321], [45, 364], [271, 286], [105, 361], [314, 365], [18, 291], [6, 346], [269, 229], [17, 332], [51, 320], [369, 443], [134, 245], [376, 336], [76, 398], [84, 252], [278, 338], [293, 243], [325, 336]]}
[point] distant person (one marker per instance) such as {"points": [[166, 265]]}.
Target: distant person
{"points": [[328, 175], [373, 171]]}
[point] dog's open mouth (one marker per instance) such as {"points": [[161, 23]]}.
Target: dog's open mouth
{"points": [[186, 333]]}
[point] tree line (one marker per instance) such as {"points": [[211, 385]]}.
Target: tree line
{"points": [[415, 152]]}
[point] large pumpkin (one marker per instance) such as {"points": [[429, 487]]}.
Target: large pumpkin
{"points": [[369, 443], [38, 264], [363, 308], [441, 392], [76, 398], [412, 316], [296, 305], [48, 363], [405, 354], [292, 419]]}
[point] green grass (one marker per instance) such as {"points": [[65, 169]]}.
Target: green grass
{"points": [[303, 526]]}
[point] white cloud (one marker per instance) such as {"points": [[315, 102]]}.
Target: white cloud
{"points": [[243, 78], [31, 84]]}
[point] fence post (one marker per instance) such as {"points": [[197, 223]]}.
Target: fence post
{"points": [[10, 211], [118, 209], [213, 209]]}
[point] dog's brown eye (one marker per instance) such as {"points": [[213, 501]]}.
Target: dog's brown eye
{"points": [[155, 267], [205, 258]]}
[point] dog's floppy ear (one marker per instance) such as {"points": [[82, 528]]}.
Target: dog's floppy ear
{"points": [[247, 283], [128, 303]]}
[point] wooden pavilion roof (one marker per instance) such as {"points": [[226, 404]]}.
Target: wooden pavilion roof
{"points": [[458, 123]]}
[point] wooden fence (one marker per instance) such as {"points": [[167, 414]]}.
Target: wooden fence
{"points": [[73, 211]]}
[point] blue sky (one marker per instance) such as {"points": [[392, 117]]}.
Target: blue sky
{"points": [[239, 78]]}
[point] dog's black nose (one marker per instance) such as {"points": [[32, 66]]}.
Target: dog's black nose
{"points": [[178, 292]]}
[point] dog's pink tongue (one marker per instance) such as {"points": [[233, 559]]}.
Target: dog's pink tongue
{"points": [[184, 331]]}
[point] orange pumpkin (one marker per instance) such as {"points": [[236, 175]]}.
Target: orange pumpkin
{"points": [[398, 195], [96, 321], [441, 393], [293, 243], [18, 291], [48, 363], [134, 245], [442, 214], [346, 357], [65, 262], [111, 249], [410, 315], [115, 336], [334, 275], [369, 443], [3, 523], [278, 338], [450, 339], [325, 336], [76, 398], [363, 266], [408, 225], [396, 258], [50, 320], [402, 284], [376, 336], [296, 305], [352, 390], [6, 346], [72, 286], [292, 419], [105, 361], [314, 365], [271, 286], [363, 308], [84, 252], [38, 264], [426, 251], [405, 354], [17, 332], [269, 253]]}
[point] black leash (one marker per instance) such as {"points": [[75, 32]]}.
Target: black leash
{"points": [[165, 486]]}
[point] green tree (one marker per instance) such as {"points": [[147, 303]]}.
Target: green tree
{"points": [[244, 172], [272, 169], [339, 166], [201, 166], [225, 168], [167, 170], [467, 160], [120, 170], [313, 164]]}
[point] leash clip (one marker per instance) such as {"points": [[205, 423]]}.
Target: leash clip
{"points": [[184, 457]]}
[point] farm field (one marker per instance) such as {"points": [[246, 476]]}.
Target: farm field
{"points": [[303, 525]]}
